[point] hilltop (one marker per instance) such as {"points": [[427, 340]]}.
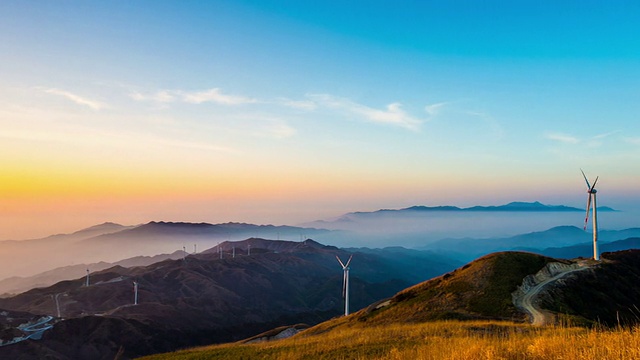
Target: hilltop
{"points": [[479, 290]]}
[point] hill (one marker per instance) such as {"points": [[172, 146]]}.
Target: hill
{"points": [[606, 294], [479, 290], [410, 324], [203, 299]]}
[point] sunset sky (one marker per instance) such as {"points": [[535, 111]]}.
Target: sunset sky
{"points": [[290, 111]]}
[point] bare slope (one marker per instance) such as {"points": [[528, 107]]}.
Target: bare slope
{"points": [[480, 289]]}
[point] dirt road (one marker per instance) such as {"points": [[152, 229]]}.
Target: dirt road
{"points": [[540, 316]]}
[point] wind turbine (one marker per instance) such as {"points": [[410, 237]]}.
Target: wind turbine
{"points": [[591, 190], [345, 283]]}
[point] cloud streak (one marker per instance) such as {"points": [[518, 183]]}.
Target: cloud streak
{"points": [[563, 138], [93, 104], [392, 115], [214, 95], [434, 109]]}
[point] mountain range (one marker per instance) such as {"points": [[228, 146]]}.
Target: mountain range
{"points": [[16, 284], [205, 298], [516, 206], [238, 289], [560, 241], [111, 242]]}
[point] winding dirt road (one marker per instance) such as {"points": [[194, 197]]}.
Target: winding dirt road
{"points": [[540, 316]]}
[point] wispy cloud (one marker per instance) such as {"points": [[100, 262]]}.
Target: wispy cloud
{"points": [[393, 114], [434, 109], [593, 141], [563, 138], [80, 100], [162, 96], [214, 95], [605, 135]]}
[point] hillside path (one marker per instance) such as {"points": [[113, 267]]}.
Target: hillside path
{"points": [[540, 316]]}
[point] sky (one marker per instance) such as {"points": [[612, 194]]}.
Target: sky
{"points": [[284, 112]]}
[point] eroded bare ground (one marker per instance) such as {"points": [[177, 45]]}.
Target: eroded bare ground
{"points": [[526, 298]]}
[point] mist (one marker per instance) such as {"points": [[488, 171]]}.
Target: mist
{"points": [[419, 229]]}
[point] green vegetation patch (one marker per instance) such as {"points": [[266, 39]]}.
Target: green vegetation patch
{"points": [[508, 269]]}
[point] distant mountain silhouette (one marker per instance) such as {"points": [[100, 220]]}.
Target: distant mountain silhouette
{"points": [[512, 206], [561, 236], [16, 284], [111, 242], [586, 249]]}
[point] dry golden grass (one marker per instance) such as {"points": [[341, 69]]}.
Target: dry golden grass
{"points": [[436, 340]]}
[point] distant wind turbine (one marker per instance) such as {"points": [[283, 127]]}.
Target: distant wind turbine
{"points": [[345, 283], [591, 190]]}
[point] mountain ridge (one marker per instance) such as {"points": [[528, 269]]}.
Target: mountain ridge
{"points": [[518, 206], [204, 298]]}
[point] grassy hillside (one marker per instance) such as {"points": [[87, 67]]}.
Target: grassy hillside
{"points": [[436, 340], [479, 290], [424, 321]]}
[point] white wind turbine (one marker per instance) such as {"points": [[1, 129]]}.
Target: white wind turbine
{"points": [[591, 190], [345, 283]]}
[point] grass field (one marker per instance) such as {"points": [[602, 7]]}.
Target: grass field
{"points": [[435, 340]]}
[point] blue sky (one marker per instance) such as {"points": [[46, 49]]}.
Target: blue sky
{"points": [[288, 111]]}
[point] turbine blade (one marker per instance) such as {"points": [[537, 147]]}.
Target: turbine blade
{"points": [[585, 179], [340, 261], [594, 184], [349, 261], [586, 219]]}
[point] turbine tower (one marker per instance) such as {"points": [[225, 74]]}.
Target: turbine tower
{"points": [[135, 291], [591, 190], [345, 283]]}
